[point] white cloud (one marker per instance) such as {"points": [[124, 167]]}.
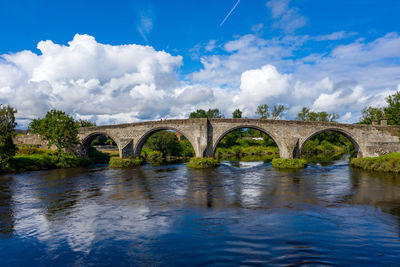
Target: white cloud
{"points": [[286, 17], [145, 25], [334, 36], [127, 83], [89, 78], [260, 84]]}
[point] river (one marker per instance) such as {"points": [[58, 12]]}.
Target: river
{"points": [[244, 213]]}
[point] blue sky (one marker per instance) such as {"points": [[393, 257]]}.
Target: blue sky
{"points": [[162, 59]]}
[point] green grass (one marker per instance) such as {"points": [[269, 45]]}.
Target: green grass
{"points": [[202, 163], [386, 163], [241, 151], [31, 150], [36, 162], [126, 162], [289, 163]]}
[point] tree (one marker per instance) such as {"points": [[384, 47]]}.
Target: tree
{"points": [[165, 142], [369, 114], [262, 110], [237, 114], [306, 115], [392, 111], [201, 113], [7, 133], [214, 113], [58, 129], [277, 111], [86, 123]]}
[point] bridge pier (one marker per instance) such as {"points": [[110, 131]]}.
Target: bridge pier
{"points": [[126, 149]]}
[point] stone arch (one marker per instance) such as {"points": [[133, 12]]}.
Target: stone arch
{"points": [[348, 135], [85, 142], [274, 138], [145, 136]]}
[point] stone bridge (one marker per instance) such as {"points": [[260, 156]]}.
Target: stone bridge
{"points": [[205, 134]]}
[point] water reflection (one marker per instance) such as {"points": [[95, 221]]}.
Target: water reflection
{"points": [[6, 209], [244, 214]]}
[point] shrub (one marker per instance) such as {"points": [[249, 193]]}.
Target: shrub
{"points": [[202, 163], [126, 162], [289, 163], [36, 162], [386, 163], [155, 158]]}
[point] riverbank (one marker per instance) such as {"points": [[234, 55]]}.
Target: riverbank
{"points": [[386, 163], [269, 152]]}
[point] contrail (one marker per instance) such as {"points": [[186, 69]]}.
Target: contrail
{"points": [[230, 12]]}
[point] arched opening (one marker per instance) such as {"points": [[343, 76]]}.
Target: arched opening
{"points": [[246, 144], [165, 146], [100, 147], [329, 145]]}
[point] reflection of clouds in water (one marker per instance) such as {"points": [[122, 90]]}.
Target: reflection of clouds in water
{"points": [[88, 221], [252, 188], [332, 186]]}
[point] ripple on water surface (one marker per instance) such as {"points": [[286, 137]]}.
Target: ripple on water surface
{"points": [[240, 213]]}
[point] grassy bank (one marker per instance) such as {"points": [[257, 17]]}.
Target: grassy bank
{"points": [[29, 158], [203, 163], [386, 163], [36, 162], [289, 163], [246, 151], [126, 162]]}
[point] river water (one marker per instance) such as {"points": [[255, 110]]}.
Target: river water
{"points": [[244, 213]]}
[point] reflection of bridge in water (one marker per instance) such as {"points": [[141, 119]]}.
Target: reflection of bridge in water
{"points": [[205, 134]]}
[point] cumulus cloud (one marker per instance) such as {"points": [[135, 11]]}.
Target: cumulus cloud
{"points": [[260, 84], [127, 83], [89, 78]]}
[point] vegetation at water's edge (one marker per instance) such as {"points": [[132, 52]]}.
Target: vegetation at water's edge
{"points": [[386, 163], [202, 163], [34, 159], [289, 163], [126, 162]]}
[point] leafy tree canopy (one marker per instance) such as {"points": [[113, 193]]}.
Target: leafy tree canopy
{"points": [[306, 115], [369, 114], [7, 133], [201, 113], [237, 113], [262, 110], [165, 142], [277, 111], [86, 123], [392, 110], [57, 128]]}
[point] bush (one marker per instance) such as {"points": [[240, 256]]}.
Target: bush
{"points": [[155, 158], [386, 163], [202, 163], [37, 162], [126, 162], [289, 163]]}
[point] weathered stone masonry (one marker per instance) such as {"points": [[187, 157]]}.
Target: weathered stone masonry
{"points": [[204, 135]]}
